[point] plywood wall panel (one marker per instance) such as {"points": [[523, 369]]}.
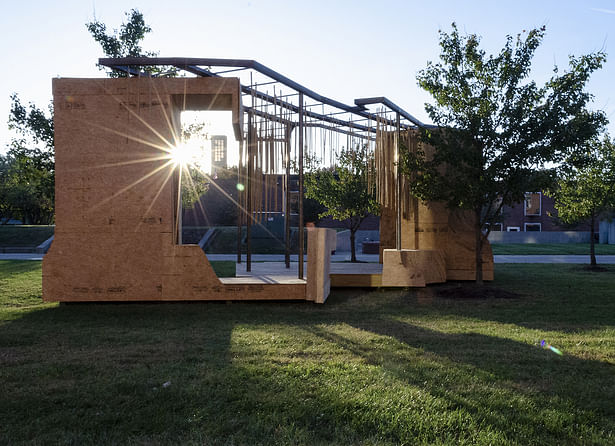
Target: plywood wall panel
{"points": [[115, 217]]}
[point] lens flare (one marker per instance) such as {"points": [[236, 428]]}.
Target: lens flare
{"points": [[185, 154], [240, 187], [544, 344]]}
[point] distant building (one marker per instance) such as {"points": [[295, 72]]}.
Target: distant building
{"points": [[218, 153], [536, 213]]}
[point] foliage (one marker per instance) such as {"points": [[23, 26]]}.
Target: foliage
{"points": [[345, 191], [370, 367], [27, 171], [496, 130], [586, 186], [24, 235], [126, 42]]}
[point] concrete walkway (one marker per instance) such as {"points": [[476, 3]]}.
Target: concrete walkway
{"points": [[371, 258]]}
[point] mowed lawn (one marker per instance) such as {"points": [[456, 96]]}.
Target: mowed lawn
{"points": [[370, 367], [551, 249]]}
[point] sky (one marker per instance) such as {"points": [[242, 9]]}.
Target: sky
{"points": [[340, 49]]}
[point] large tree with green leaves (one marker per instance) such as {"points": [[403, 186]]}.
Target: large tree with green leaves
{"points": [[496, 129], [345, 191], [585, 189]]}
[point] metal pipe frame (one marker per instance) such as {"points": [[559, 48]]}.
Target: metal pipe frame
{"points": [[192, 65]]}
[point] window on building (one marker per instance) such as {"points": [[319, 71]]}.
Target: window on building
{"points": [[529, 227], [219, 150], [533, 204], [494, 227], [513, 229]]}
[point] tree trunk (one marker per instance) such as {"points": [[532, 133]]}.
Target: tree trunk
{"points": [[592, 250], [479, 250], [353, 253]]}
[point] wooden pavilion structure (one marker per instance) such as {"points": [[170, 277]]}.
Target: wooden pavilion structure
{"points": [[118, 235]]}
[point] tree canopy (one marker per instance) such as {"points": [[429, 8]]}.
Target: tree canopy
{"points": [[125, 42], [27, 170], [496, 131]]}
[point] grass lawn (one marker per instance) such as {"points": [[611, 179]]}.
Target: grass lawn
{"points": [[24, 235], [550, 249], [225, 242], [224, 268], [370, 367]]}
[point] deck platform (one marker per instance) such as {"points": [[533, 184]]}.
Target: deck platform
{"points": [[343, 274]]}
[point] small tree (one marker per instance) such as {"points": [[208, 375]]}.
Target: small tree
{"points": [[497, 130], [586, 187], [345, 191]]}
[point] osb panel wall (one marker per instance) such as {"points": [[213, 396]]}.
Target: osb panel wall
{"points": [[115, 194], [431, 226]]}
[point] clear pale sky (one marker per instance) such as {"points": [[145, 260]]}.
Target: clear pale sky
{"points": [[341, 49]]}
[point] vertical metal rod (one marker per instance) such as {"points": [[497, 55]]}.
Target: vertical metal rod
{"points": [[300, 197], [239, 200], [178, 211], [397, 187], [249, 200], [287, 199]]}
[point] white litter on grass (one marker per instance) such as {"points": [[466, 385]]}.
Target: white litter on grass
{"points": [[167, 384]]}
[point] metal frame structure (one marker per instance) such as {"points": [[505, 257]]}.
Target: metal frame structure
{"points": [[288, 106]]}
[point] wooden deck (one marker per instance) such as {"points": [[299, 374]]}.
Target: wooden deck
{"points": [[342, 274]]}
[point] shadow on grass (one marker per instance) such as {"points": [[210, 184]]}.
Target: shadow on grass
{"points": [[347, 372]]}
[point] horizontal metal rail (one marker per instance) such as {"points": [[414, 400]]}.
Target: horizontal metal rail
{"points": [[192, 65]]}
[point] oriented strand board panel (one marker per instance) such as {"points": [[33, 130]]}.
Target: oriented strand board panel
{"points": [[431, 226], [412, 268], [321, 242], [116, 193]]}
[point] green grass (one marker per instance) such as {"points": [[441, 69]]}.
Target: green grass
{"points": [[370, 367], [225, 242], [223, 268], [550, 249], [24, 235]]}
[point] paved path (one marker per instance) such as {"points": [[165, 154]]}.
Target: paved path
{"points": [[371, 258]]}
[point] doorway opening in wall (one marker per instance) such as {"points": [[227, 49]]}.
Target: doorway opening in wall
{"points": [[209, 183]]}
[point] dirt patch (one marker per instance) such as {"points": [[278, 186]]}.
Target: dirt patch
{"points": [[472, 291]]}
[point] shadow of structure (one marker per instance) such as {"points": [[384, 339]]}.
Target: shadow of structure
{"points": [[366, 369]]}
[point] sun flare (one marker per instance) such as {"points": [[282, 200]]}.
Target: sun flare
{"points": [[186, 154]]}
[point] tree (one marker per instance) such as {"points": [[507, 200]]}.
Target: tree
{"points": [[586, 187], [345, 191], [28, 173], [496, 130], [126, 42]]}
